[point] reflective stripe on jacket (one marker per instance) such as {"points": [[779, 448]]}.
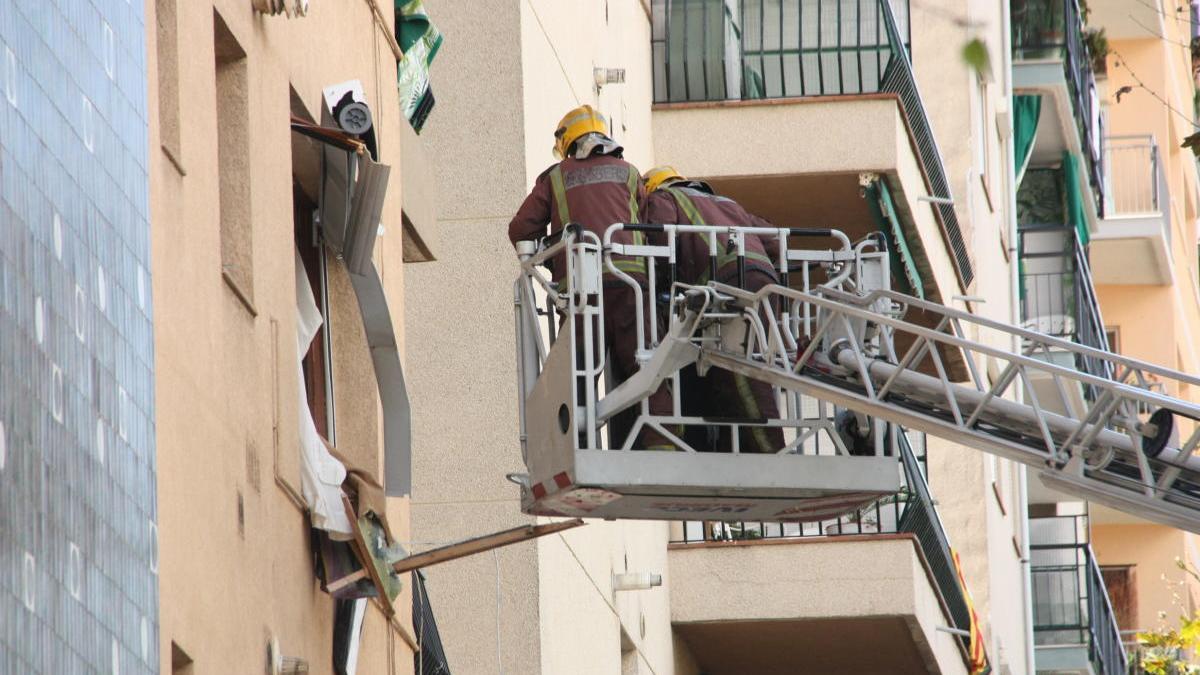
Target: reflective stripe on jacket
{"points": [[595, 193], [674, 205]]}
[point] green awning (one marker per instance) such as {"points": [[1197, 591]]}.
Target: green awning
{"points": [[1027, 108], [1076, 211], [883, 211]]}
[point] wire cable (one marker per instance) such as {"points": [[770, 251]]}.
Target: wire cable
{"points": [[1121, 62], [636, 644], [553, 49]]}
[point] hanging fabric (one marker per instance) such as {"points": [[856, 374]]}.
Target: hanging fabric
{"points": [[420, 40], [1027, 108], [1076, 212], [321, 474]]}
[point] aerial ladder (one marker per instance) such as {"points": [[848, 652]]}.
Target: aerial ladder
{"points": [[853, 364]]}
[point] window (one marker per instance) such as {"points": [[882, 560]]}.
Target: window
{"points": [[317, 363], [1113, 333], [982, 150], [1121, 582], [233, 161], [167, 41]]}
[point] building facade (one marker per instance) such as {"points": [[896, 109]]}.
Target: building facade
{"points": [[212, 267], [718, 90], [266, 372], [1147, 271], [78, 520]]}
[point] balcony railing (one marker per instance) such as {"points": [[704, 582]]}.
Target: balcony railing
{"points": [[911, 510], [1057, 295], [722, 50], [1133, 182], [1070, 603], [1053, 29]]}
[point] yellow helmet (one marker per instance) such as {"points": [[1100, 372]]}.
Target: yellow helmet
{"points": [[582, 120], [660, 175]]}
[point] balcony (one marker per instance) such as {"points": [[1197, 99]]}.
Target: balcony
{"points": [[1133, 244], [1075, 629], [791, 106], [1050, 58], [806, 594], [1058, 298]]}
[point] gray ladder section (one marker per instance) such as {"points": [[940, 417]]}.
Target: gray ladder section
{"points": [[1114, 441]]}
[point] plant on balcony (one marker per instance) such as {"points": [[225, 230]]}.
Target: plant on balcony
{"points": [[1195, 50], [1038, 27], [1165, 651], [1097, 46]]}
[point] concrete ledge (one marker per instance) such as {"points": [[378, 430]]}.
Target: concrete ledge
{"points": [[770, 598]]}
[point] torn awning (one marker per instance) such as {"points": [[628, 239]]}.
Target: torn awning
{"points": [[883, 210]]}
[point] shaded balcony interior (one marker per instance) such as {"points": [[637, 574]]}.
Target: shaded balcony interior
{"points": [[714, 52], [1052, 62], [840, 65], [907, 516], [1056, 290], [1075, 626]]}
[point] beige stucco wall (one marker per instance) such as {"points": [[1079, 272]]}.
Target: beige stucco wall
{"points": [[582, 618], [221, 369], [978, 495], [1153, 549], [458, 315]]}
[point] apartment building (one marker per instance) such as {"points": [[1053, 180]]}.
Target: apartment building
{"points": [[1107, 215], [203, 423], [281, 226], [78, 562], [1145, 265], [809, 114]]}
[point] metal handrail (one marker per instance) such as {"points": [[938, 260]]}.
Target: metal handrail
{"points": [[1081, 304], [1089, 617], [824, 61], [1133, 175]]}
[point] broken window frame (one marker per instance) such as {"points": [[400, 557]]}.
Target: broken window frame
{"points": [[351, 199]]}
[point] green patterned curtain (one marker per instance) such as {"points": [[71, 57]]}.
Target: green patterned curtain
{"points": [[419, 39]]}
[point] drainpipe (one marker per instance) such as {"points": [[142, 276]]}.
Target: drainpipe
{"points": [[1022, 510]]}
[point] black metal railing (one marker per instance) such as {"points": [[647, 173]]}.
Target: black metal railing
{"points": [[911, 510], [711, 50], [1057, 295], [1054, 29], [1070, 602], [718, 50]]}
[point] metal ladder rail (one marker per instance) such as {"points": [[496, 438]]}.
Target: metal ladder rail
{"points": [[851, 379]]}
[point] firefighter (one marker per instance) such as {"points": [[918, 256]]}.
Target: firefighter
{"points": [[673, 199], [594, 187]]}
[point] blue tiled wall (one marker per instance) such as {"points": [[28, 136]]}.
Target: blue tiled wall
{"points": [[78, 541]]}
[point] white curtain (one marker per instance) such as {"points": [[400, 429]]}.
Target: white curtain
{"points": [[321, 474]]}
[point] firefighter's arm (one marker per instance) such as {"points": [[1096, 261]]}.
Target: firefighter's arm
{"points": [[770, 244], [533, 218], [659, 211]]}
